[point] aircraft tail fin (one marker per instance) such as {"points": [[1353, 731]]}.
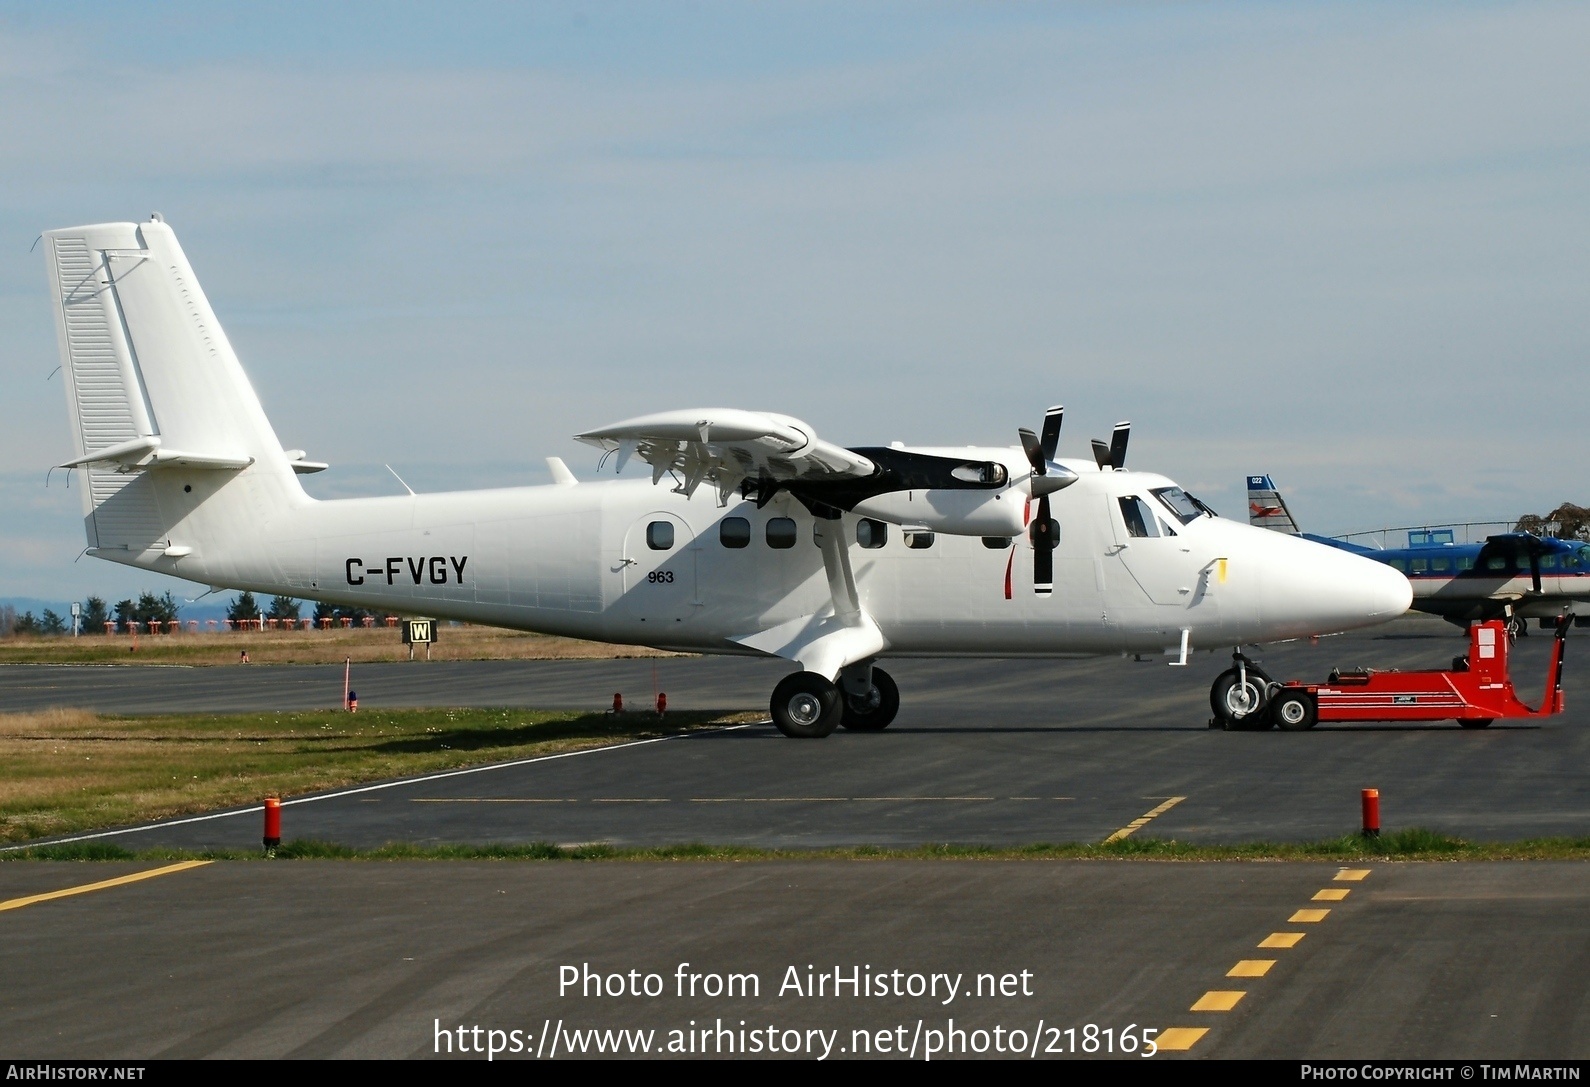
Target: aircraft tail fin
{"points": [[163, 416], [1267, 509]]}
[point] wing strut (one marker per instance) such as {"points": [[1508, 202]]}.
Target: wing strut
{"points": [[827, 643]]}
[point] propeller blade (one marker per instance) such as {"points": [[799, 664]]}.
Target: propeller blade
{"points": [[1034, 451], [1123, 431], [1043, 545], [1051, 430], [1534, 568], [1101, 454]]}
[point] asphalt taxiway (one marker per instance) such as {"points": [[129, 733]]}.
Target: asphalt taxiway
{"points": [[370, 959], [1478, 961], [983, 752]]}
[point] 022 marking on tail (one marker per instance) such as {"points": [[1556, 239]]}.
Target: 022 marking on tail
{"points": [[752, 536]]}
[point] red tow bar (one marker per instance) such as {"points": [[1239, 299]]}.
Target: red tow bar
{"points": [[273, 822], [1371, 798]]}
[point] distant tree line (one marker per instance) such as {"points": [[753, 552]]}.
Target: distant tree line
{"points": [[163, 609], [287, 609], [1566, 522]]}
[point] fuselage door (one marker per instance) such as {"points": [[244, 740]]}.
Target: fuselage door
{"points": [[659, 564], [1152, 553]]}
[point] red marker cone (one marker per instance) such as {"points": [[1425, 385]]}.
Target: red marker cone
{"points": [[1371, 802], [273, 822]]}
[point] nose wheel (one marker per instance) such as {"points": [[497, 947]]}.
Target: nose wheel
{"points": [[1240, 697]]}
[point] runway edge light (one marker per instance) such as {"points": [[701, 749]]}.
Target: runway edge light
{"points": [[1371, 805], [273, 822]]}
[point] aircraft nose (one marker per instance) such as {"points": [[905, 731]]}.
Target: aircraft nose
{"points": [[1323, 589], [1384, 592]]}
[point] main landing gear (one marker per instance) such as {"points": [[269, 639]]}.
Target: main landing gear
{"points": [[1240, 697], [806, 705]]}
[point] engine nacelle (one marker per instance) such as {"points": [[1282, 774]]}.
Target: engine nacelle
{"points": [[956, 512]]}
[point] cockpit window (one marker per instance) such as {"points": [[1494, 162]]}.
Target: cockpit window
{"points": [[1183, 505], [1139, 517]]}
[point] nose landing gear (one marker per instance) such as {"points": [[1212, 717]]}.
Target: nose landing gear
{"points": [[1240, 696]]}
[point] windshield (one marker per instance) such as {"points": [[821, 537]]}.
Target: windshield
{"points": [[1183, 505]]}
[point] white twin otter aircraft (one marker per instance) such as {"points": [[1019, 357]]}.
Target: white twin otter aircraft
{"points": [[752, 535]]}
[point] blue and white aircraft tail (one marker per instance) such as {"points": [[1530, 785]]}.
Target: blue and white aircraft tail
{"points": [[1513, 575]]}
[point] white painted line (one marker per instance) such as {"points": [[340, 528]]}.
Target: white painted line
{"points": [[368, 789]]}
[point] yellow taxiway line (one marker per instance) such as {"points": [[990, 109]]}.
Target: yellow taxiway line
{"points": [[1138, 824], [1181, 1039], [135, 877]]}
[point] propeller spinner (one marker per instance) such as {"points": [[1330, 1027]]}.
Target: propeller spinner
{"points": [[1047, 477]]}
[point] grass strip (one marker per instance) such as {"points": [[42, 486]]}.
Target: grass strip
{"points": [[212, 649], [1415, 844], [68, 771]]}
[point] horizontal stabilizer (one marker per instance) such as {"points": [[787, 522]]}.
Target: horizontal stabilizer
{"points": [[149, 453]]}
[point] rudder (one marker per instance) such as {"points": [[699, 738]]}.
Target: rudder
{"points": [[153, 386]]}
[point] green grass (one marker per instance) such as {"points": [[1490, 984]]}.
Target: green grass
{"points": [[68, 770], [1409, 845]]}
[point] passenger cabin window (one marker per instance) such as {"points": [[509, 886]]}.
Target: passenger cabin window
{"points": [[1497, 562], [1398, 564], [871, 534], [1465, 562], [1139, 518], [781, 533], [1418, 566], [919, 541], [734, 532], [1549, 562], [998, 543], [660, 535], [1441, 566]]}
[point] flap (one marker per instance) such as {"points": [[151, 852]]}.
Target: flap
{"points": [[723, 446]]}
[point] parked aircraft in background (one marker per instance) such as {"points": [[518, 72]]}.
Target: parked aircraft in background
{"points": [[765, 539], [1512, 575]]}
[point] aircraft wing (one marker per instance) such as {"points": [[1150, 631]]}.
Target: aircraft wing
{"points": [[723, 446]]}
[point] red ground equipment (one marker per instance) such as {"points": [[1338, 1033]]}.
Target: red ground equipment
{"points": [[1475, 691]]}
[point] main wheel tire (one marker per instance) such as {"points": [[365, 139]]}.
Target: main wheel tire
{"points": [[1240, 705], [873, 711], [805, 706], [1294, 711], [1476, 722]]}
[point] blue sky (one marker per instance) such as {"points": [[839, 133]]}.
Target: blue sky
{"points": [[1345, 244]]}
